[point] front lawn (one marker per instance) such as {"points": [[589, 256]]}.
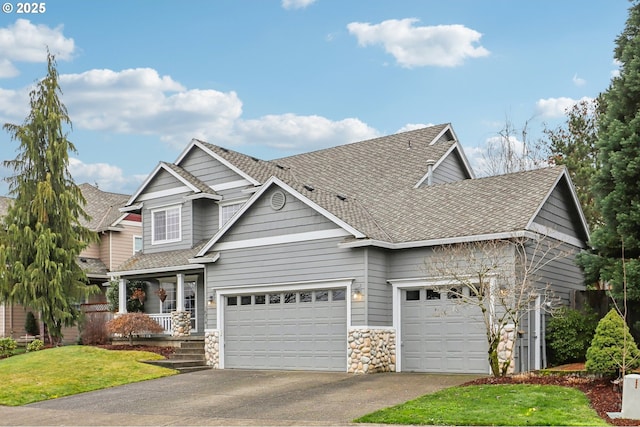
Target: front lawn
{"points": [[64, 371], [498, 405]]}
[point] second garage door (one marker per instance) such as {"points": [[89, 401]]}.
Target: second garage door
{"points": [[441, 335], [305, 330]]}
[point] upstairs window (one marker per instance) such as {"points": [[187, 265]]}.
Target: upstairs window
{"points": [[227, 211], [165, 224], [137, 244]]}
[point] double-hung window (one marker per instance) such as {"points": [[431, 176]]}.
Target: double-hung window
{"points": [[165, 224]]}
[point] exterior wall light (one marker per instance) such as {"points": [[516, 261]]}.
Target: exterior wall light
{"points": [[212, 301], [357, 295]]}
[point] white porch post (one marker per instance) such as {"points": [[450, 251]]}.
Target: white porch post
{"points": [[180, 292], [122, 296]]}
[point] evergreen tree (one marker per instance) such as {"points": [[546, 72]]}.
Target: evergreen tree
{"points": [[43, 235], [574, 146], [612, 349], [616, 183]]}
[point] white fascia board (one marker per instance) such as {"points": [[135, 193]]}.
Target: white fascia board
{"points": [[256, 196], [436, 242], [226, 163], [442, 132], [209, 196], [205, 260], [282, 239], [158, 168], [131, 208], [143, 186], [463, 156], [156, 270], [574, 197], [554, 234], [230, 185]]}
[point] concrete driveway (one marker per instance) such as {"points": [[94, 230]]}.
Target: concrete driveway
{"points": [[234, 397]]}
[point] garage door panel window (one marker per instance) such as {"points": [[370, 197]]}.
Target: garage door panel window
{"points": [[232, 300], [413, 295], [289, 298], [245, 300], [261, 299], [338, 295], [305, 296], [432, 294], [322, 295], [274, 299]]}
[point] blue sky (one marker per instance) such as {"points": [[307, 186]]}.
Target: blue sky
{"points": [[271, 78]]}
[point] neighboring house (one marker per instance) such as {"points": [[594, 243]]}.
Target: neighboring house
{"points": [[313, 261], [119, 237]]}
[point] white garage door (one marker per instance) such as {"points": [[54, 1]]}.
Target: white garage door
{"points": [[304, 330], [441, 335]]}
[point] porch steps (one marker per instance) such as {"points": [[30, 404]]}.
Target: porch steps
{"points": [[188, 357]]}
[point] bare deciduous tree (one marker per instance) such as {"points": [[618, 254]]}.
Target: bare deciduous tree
{"points": [[511, 150], [500, 278]]}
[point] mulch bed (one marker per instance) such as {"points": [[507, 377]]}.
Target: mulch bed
{"points": [[163, 351], [604, 398]]}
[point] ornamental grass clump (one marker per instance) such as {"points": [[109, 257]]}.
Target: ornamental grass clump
{"points": [[613, 350]]}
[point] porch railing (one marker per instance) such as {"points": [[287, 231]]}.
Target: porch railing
{"points": [[163, 320]]}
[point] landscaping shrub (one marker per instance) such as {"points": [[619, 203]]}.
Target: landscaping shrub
{"points": [[605, 356], [7, 347], [130, 324], [569, 334], [93, 329], [35, 345], [31, 324]]}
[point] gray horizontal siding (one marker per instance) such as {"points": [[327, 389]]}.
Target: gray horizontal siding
{"points": [[292, 262], [559, 213], [450, 170], [207, 169], [161, 182], [262, 221], [379, 292]]}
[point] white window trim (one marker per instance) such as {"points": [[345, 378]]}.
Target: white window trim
{"points": [[133, 238], [153, 225], [240, 202]]}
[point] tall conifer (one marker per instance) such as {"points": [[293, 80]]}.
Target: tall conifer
{"points": [[617, 182], [42, 233]]}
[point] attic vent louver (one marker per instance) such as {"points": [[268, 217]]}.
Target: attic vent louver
{"points": [[278, 200], [308, 187], [341, 197], [280, 166], [255, 159]]}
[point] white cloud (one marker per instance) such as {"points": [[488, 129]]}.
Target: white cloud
{"points": [[552, 108], [26, 42], [616, 72], [296, 4], [413, 126], [140, 101], [302, 133], [108, 177], [578, 81], [441, 45]]}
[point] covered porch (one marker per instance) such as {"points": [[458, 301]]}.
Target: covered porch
{"points": [[176, 301]]}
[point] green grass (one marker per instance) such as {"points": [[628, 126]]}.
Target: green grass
{"points": [[487, 405], [63, 371]]}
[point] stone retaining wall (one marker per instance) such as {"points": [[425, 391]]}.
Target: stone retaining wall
{"points": [[371, 350], [212, 348], [181, 323]]}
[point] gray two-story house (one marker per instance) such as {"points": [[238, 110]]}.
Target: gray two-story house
{"points": [[317, 261]]}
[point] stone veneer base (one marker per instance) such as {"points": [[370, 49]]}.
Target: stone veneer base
{"points": [[371, 350], [212, 348], [181, 323]]}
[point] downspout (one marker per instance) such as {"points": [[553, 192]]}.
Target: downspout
{"points": [[366, 286]]}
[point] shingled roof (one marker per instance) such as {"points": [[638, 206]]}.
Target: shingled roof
{"points": [[371, 185], [102, 207]]}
